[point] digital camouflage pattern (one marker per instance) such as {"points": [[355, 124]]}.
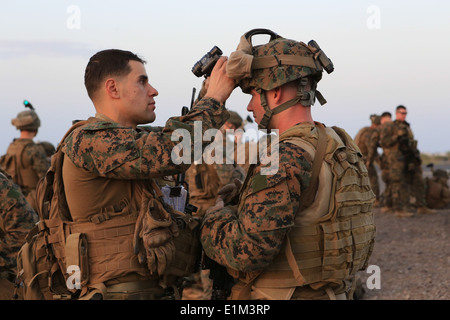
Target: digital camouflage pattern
{"points": [[124, 153], [30, 165], [270, 78], [16, 219], [403, 164], [250, 238]]}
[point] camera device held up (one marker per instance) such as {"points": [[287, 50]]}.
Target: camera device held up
{"points": [[205, 65]]}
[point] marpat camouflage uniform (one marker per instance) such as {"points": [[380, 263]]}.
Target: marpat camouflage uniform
{"points": [[393, 137], [16, 219], [110, 154], [32, 165], [251, 238]]}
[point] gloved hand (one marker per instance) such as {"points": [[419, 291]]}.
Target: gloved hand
{"points": [[153, 236], [230, 192]]}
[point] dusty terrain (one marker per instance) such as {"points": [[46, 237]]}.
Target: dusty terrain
{"points": [[413, 256]]}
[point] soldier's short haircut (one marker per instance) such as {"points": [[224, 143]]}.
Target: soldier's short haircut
{"points": [[386, 114], [107, 63], [400, 107]]}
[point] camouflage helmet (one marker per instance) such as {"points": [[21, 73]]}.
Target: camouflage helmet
{"points": [[26, 120], [276, 63], [375, 119]]}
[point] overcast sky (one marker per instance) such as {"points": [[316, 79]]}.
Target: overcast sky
{"points": [[385, 53]]}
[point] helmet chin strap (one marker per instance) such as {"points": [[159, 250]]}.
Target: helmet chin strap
{"points": [[305, 97]]}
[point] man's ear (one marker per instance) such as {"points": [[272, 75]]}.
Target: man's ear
{"points": [[112, 89], [276, 94]]}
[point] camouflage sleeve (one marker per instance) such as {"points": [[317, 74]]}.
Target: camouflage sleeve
{"points": [[250, 239], [372, 145], [228, 172], [388, 136], [16, 219], [38, 159], [125, 153]]}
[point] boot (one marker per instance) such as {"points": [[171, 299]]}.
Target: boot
{"points": [[403, 214], [425, 210]]}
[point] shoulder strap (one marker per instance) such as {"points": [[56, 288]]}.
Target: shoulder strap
{"points": [[242, 290], [307, 197]]}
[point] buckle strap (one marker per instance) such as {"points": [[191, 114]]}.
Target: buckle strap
{"points": [[132, 286]]}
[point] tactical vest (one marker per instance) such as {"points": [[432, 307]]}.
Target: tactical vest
{"points": [[333, 237], [19, 166], [203, 184], [101, 245]]}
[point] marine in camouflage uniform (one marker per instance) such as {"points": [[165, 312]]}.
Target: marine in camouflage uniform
{"points": [[438, 191], [25, 161], [16, 219], [108, 169], [204, 181], [404, 163], [251, 239], [367, 140]]}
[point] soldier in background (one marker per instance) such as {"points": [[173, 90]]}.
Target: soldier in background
{"points": [[205, 180], [25, 161], [256, 239], [16, 219], [437, 189], [405, 171], [385, 197], [367, 140]]}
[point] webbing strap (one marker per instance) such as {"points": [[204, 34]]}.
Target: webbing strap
{"points": [[283, 59], [72, 246], [307, 197], [293, 264]]}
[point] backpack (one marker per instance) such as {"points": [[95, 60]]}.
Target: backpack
{"points": [[11, 161], [39, 271]]}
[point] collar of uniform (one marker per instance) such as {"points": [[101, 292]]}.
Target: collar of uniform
{"points": [[103, 117]]}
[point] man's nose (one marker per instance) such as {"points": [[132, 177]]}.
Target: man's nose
{"points": [[152, 91]]}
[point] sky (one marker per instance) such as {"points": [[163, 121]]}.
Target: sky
{"points": [[385, 53]]}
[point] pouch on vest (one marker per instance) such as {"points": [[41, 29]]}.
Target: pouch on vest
{"points": [[77, 256], [38, 268], [187, 246]]}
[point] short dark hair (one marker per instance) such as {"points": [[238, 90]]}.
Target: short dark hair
{"points": [[400, 107], [106, 63], [386, 114]]}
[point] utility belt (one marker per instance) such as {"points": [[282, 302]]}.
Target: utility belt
{"points": [[290, 293], [133, 290]]}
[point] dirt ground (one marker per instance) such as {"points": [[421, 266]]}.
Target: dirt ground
{"points": [[413, 256]]}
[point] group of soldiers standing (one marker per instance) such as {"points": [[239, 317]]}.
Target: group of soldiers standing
{"points": [[401, 167], [99, 204]]}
